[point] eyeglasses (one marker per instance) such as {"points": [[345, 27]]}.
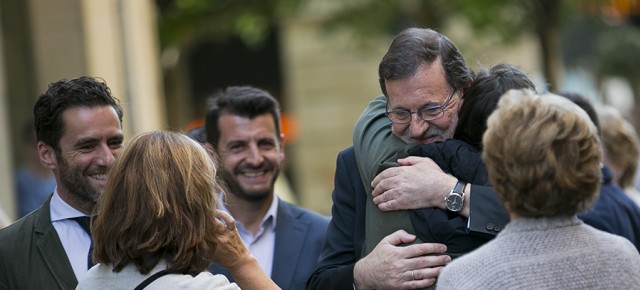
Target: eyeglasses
{"points": [[403, 116]]}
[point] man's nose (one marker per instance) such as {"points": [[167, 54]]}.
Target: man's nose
{"points": [[106, 155], [253, 155], [418, 126]]}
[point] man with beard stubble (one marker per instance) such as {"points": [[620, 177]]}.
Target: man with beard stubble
{"points": [[243, 128], [78, 126]]}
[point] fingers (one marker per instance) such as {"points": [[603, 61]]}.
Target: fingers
{"points": [[426, 273], [422, 249], [418, 284], [383, 197], [398, 237], [402, 267], [226, 219], [411, 160], [416, 250], [422, 277], [385, 180], [387, 173]]}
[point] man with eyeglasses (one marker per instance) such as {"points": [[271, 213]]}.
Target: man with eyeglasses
{"points": [[371, 245]]}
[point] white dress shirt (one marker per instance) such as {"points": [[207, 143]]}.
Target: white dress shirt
{"points": [[75, 240], [261, 245]]}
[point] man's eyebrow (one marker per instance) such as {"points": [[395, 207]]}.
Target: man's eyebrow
{"points": [[118, 136], [84, 141], [425, 105]]}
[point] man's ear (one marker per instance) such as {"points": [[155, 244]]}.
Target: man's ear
{"points": [[47, 156]]}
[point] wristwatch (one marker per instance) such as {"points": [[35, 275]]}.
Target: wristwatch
{"points": [[455, 200]]}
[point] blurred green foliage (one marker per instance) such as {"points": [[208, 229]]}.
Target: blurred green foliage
{"points": [[183, 21], [619, 53]]}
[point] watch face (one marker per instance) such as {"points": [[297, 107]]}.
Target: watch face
{"points": [[454, 202]]}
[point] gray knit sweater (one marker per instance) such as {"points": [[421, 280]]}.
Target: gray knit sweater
{"points": [[558, 253]]}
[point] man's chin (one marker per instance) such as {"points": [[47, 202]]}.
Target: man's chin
{"points": [[255, 195]]}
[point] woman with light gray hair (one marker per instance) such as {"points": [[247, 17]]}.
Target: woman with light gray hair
{"points": [[543, 156]]}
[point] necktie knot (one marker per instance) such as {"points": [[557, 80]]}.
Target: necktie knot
{"points": [[84, 222]]}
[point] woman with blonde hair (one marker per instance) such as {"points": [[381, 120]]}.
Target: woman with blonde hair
{"points": [[543, 156], [621, 148], [157, 226]]}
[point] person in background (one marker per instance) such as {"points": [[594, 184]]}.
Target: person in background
{"points": [[281, 188], [157, 225], [243, 129], [34, 182], [621, 148], [613, 212], [78, 126], [543, 156]]}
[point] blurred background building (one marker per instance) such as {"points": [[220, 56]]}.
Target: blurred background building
{"points": [[319, 58]]}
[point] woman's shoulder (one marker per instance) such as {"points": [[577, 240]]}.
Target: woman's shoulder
{"points": [[202, 281]]}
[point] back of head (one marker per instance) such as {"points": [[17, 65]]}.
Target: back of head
{"points": [[198, 134], [158, 204], [481, 99], [543, 155], [416, 46], [65, 94], [584, 104], [621, 145], [243, 101]]}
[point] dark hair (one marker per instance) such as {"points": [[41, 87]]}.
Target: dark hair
{"points": [[481, 99], [65, 94], [198, 134], [244, 101], [416, 46], [584, 104]]}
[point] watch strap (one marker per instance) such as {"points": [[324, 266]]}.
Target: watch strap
{"points": [[459, 187]]}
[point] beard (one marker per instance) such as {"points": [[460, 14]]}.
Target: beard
{"points": [[76, 183], [234, 187]]}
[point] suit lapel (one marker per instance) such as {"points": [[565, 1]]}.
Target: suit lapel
{"points": [[50, 248], [291, 233]]}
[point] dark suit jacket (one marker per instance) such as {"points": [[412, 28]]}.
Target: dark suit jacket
{"points": [[614, 211], [300, 234], [345, 234], [32, 256]]}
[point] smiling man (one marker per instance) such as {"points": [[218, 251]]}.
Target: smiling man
{"points": [[370, 240], [243, 128], [78, 126]]}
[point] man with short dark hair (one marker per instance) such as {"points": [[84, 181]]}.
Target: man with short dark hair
{"points": [[79, 131], [243, 128]]}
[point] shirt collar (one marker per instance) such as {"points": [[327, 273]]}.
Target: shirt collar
{"points": [[272, 212], [61, 210]]}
